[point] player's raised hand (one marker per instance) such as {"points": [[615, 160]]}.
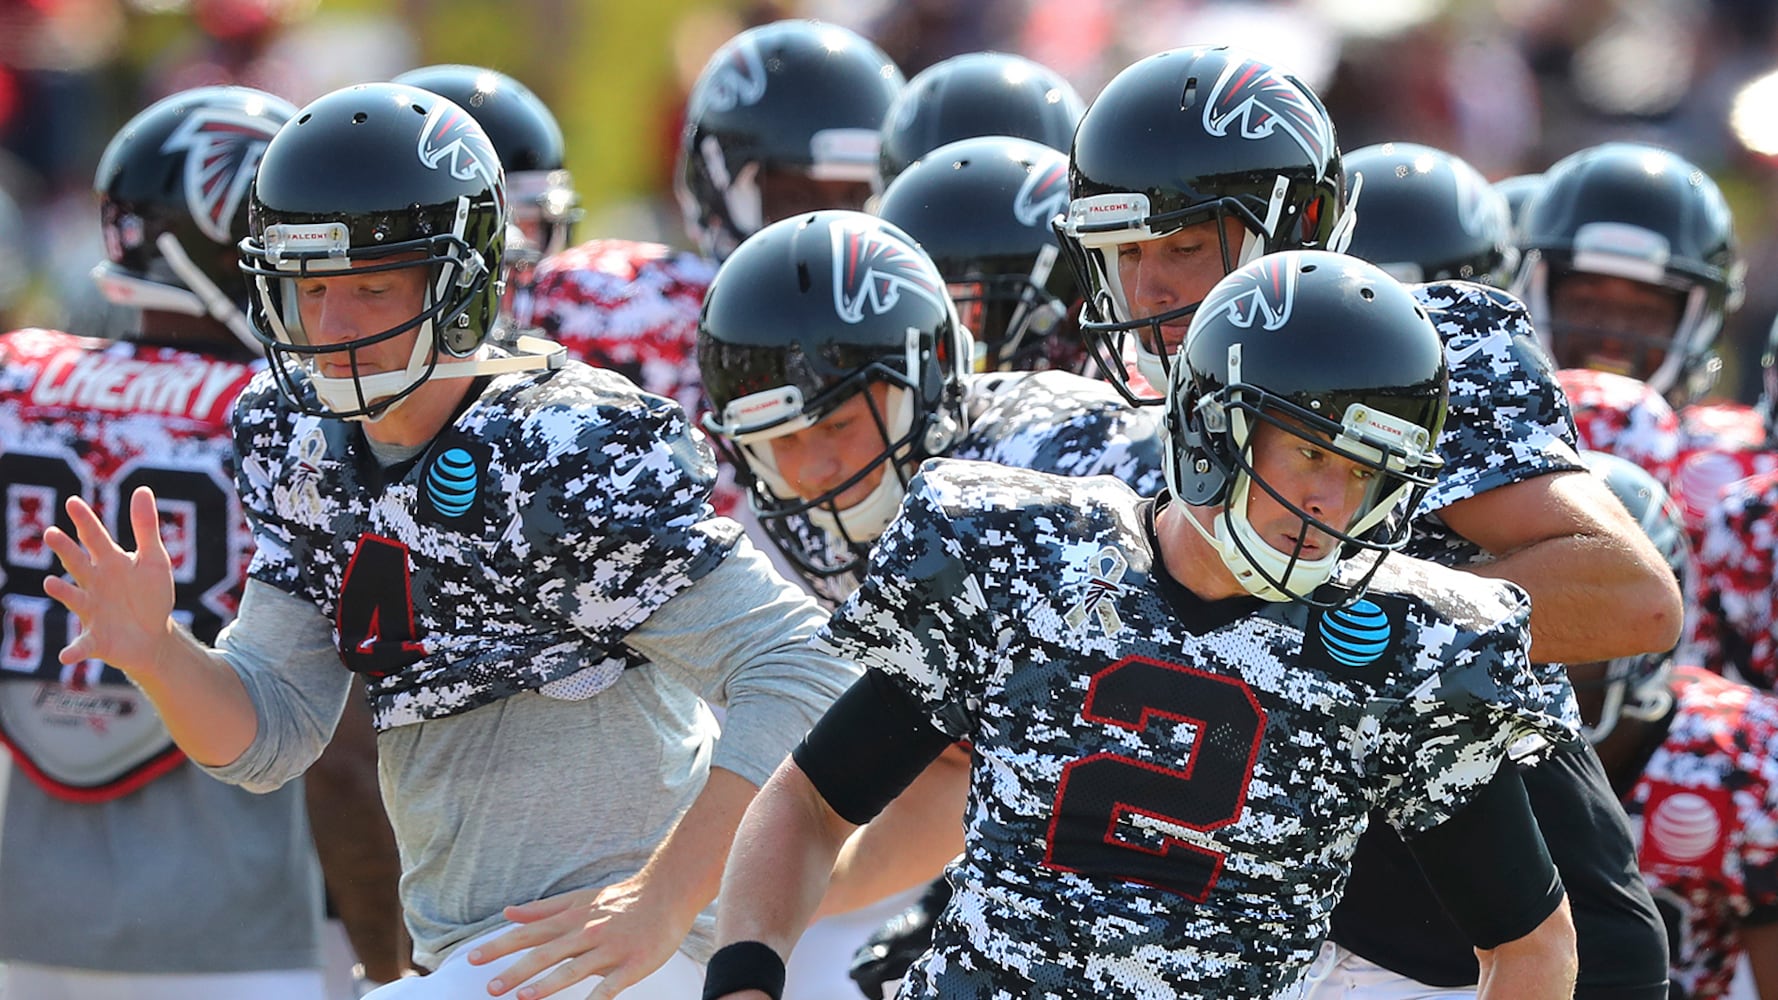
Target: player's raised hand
{"points": [[124, 599]]}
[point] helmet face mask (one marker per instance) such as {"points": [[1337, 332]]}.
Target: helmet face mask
{"points": [[829, 314], [421, 189], [1327, 352], [1639, 213], [1192, 136]]}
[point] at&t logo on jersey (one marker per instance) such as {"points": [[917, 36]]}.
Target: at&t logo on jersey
{"points": [[1356, 635], [451, 488], [222, 150], [1264, 294], [1263, 102], [873, 268]]}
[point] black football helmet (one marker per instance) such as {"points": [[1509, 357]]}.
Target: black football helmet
{"points": [[528, 140], [1183, 137], [378, 176], [1517, 190], [1422, 214], [1330, 349], [982, 208], [797, 102], [805, 315], [1636, 686], [1642, 213], [172, 187], [975, 94]]}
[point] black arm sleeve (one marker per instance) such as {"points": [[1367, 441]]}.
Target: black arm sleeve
{"points": [[869, 747], [1490, 866]]}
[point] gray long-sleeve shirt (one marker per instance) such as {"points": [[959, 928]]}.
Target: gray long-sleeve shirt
{"points": [[532, 796]]}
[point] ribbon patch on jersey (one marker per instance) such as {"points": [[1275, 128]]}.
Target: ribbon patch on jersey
{"points": [[1106, 585], [1356, 635]]}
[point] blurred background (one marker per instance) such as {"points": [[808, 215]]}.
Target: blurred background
{"points": [[1510, 85]]}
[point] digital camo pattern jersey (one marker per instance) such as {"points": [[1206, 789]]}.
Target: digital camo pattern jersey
{"points": [[1734, 624], [1719, 445], [633, 308], [1705, 814], [1508, 420], [551, 517], [1621, 416], [1167, 793], [96, 419], [1050, 421]]}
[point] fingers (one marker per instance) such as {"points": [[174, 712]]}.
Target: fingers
{"points": [[541, 909], [90, 530], [146, 520]]}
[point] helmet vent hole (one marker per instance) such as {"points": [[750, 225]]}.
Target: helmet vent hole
{"points": [[418, 110], [1366, 294], [1189, 96], [1308, 268], [304, 120], [360, 118], [803, 281]]}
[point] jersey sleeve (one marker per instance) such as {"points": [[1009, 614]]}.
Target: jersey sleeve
{"points": [[614, 510], [1486, 703], [261, 434], [1508, 419], [920, 616]]}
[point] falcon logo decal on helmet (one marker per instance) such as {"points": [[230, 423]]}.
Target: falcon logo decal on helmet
{"points": [[1264, 292], [222, 149], [1264, 101], [874, 267], [738, 80], [1043, 196], [453, 141]]}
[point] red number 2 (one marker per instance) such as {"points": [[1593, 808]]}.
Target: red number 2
{"points": [[1208, 792]]}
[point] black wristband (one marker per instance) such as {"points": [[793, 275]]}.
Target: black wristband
{"points": [[744, 965]]}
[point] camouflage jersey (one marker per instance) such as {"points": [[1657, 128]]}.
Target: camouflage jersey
{"points": [[96, 419], [1705, 812], [1734, 624], [1719, 444], [1166, 791], [1620, 416], [1050, 421], [1508, 420], [631, 307], [552, 515]]}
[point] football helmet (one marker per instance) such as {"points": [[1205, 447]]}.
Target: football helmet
{"points": [[1636, 686], [1327, 348], [975, 94], [981, 208], [173, 188], [793, 103], [539, 189], [1427, 215], [1638, 212], [1188, 136], [1517, 190], [806, 315], [378, 177]]}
